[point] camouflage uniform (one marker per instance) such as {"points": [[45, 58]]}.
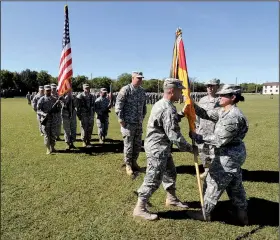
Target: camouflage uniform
{"points": [[206, 127], [44, 105], [34, 106], [85, 113], [162, 131], [57, 115], [230, 153], [102, 105], [69, 119], [28, 95], [131, 108]]}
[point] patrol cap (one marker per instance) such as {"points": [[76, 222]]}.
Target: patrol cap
{"points": [[229, 89], [103, 90], [47, 87], [53, 85], [173, 83], [213, 82], [85, 85], [41, 87], [137, 74]]}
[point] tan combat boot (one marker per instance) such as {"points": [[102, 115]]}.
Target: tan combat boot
{"points": [[172, 200], [242, 217], [48, 151], [52, 149], [141, 211], [129, 170], [68, 147], [203, 175]]}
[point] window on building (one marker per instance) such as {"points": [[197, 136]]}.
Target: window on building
{"points": [[270, 90], [276, 90], [265, 91]]}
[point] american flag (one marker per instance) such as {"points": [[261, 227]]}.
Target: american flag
{"points": [[65, 66]]}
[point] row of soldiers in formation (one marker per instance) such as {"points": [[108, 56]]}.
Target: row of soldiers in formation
{"points": [[220, 130], [151, 97], [54, 111]]}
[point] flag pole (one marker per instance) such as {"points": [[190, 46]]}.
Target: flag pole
{"points": [[189, 111]]}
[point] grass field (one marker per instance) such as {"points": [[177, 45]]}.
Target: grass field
{"points": [[87, 195]]}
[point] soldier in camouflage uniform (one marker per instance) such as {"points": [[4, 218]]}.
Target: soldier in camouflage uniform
{"points": [[206, 127], [69, 119], [34, 106], [131, 110], [44, 106], [162, 131], [230, 153], [58, 115], [102, 109], [28, 95], [85, 113]]}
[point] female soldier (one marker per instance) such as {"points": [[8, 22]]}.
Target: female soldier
{"points": [[229, 153]]}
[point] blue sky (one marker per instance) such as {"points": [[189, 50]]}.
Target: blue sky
{"points": [[222, 39]]}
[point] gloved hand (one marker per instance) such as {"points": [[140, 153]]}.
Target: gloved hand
{"points": [[197, 138]]}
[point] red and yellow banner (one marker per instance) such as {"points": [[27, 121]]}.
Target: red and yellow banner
{"points": [[179, 71]]}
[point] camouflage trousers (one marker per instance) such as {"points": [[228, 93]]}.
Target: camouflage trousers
{"points": [[70, 128], [225, 174], [206, 153], [40, 125], [49, 131], [159, 170], [102, 126], [86, 127], [132, 140], [58, 123]]}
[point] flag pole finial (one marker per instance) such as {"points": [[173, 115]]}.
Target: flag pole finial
{"points": [[178, 31]]}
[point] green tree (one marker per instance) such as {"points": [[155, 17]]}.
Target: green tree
{"points": [[100, 82], [43, 78], [77, 82], [123, 80], [6, 79], [29, 78]]}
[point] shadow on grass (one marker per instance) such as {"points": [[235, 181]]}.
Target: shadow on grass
{"points": [[260, 212], [110, 146], [249, 176]]}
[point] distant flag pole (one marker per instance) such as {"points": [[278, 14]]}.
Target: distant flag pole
{"points": [[179, 70], [65, 66]]}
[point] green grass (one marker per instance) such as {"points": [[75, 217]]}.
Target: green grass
{"points": [[82, 196]]}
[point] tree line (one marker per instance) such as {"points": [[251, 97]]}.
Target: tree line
{"points": [[29, 81]]}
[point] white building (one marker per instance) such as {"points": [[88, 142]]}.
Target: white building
{"points": [[270, 87]]}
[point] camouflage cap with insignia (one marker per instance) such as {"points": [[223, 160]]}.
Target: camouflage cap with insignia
{"points": [[53, 85], [47, 87], [173, 83], [229, 89], [213, 82], [137, 74], [103, 90], [85, 85]]}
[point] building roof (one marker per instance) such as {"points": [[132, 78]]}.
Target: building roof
{"points": [[271, 84]]}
